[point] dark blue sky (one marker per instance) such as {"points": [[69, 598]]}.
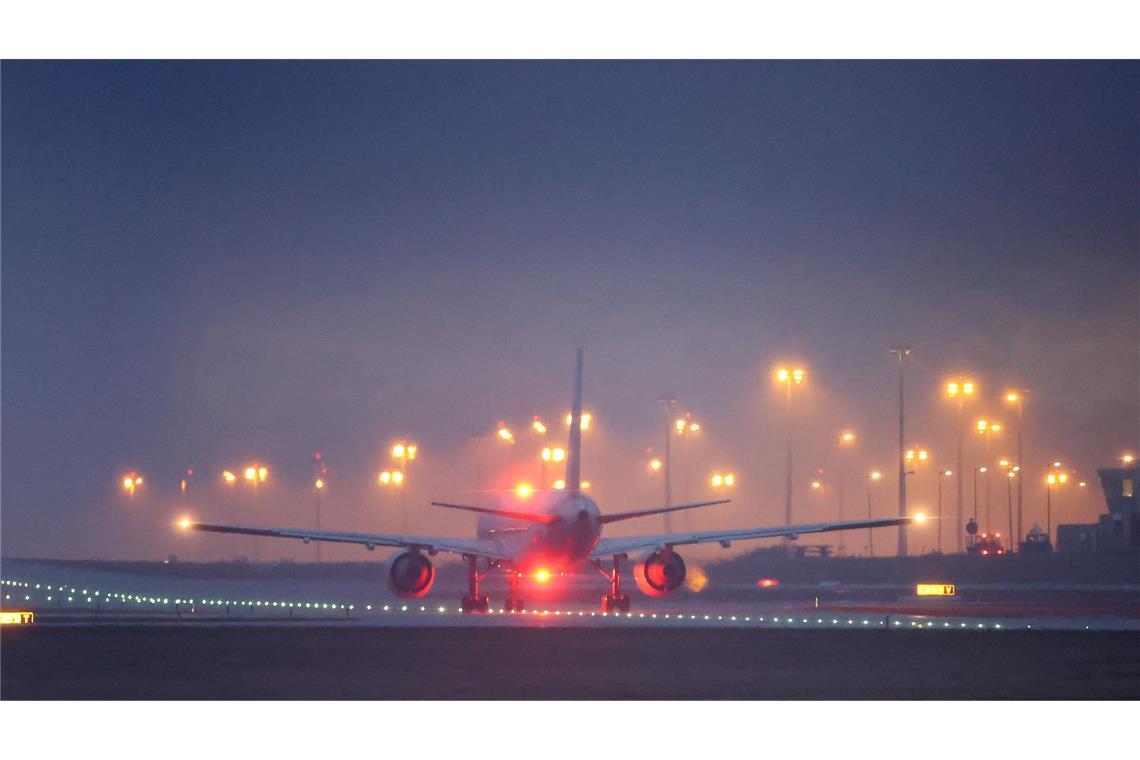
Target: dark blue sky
{"points": [[205, 263]]}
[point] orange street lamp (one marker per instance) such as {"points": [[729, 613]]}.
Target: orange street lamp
{"points": [[504, 433], [538, 426], [916, 455], [585, 423], [1127, 459], [723, 480], [391, 478], [686, 425], [131, 481]]}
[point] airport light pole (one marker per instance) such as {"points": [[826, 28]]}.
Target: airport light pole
{"points": [[320, 484], [978, 468], [667, 403], [959, 390], [789, 377], [846, 440], [1010, 475], [1017, 396], [872, 478], [404, 452], [1052, 479], [229, 479], [902, 352], [987, 430], [255, 474], [941, 474], [687, 429]]}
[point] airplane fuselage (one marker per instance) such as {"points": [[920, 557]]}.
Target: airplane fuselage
{"points": [[555, 547]]}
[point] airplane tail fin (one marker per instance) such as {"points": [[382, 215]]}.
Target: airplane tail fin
{"points": [[657, 510], [574, 448]]}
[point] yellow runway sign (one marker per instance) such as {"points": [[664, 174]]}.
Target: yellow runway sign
{"points": [[17, 618], [935, 589]]}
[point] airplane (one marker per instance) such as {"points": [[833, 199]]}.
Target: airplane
{"points": [[555, 532]]}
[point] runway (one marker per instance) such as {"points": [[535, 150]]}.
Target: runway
{"points": [[116, 635], [409, 662]]}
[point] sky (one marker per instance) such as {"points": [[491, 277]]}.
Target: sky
{"points": [[206, 264]]}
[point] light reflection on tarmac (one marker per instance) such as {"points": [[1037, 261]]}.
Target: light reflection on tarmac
{"points": [[70, 594]]}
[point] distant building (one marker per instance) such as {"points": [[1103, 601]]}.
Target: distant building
{"points": [[1117, 531]]}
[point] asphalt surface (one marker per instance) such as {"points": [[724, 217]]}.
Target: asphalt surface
{"points": [[301, 661]]}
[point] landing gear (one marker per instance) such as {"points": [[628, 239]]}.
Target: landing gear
{"points": [[513, 603], [473, 601], [615, 601], [619, 603]]}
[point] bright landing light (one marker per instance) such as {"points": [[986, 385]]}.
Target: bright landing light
{"points": [[542, 575]]}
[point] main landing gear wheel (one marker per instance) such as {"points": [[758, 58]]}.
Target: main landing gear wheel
{"points": [[474, 603], [618, 603]]}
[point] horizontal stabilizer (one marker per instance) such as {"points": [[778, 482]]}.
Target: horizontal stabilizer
{"points": [[528, 516], [657, 510]]}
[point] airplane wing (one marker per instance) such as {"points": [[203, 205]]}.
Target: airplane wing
{"points": [[482, 547], [609, 547]]}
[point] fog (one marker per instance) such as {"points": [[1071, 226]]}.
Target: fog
{"points": [[206, 265]]}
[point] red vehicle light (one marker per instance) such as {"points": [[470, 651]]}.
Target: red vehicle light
{"points": [[767, 583]]}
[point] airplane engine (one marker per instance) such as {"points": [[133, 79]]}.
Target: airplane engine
{"points": [[659, 573], [410, 574]]}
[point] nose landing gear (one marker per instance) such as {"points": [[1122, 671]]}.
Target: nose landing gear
{"points": [[615, 601], [513, 603]]}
